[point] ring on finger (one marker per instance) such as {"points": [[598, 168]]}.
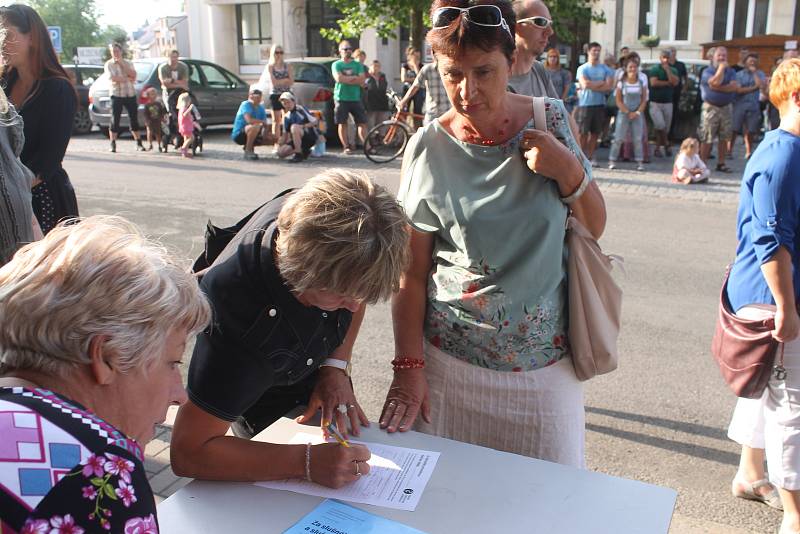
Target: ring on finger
{"points": [[351, 406], [342, 408], [358, 471]]}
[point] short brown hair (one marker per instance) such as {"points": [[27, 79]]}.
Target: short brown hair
{"points": [[342, 232], [452, 40]]}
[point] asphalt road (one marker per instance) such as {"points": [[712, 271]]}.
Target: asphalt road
{"points": [[660, 418]]}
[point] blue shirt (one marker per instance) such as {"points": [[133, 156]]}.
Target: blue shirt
{"points": [[596, 73], [768, 217], [258, 113], [716, 98], [298, 115], [747, 79]]}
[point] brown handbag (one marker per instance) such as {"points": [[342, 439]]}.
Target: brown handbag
{"points": [[745, 350]]}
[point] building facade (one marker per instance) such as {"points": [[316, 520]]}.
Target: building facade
{"points": [[163, 35], [238, 34], [686, 24]]}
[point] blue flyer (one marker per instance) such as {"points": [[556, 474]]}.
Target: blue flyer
{"points": [[334, 517]]}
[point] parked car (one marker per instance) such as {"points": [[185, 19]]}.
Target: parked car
{"points": [[313, 87], [83, 76], [690, 103], [218, 91]]}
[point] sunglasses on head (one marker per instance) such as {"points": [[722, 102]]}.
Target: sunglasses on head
{"points": [[539, 22], [483, 15]]}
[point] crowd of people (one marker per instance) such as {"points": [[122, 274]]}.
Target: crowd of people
{"points": [[95, 317]]}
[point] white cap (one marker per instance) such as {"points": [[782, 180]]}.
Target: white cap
{"points": [[286, 95]]}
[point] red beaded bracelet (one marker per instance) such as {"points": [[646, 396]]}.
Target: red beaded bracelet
{"points": [[407, 363]]}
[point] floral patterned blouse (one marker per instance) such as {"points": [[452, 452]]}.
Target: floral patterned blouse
{"points": [[63, 470], [497, 290]]}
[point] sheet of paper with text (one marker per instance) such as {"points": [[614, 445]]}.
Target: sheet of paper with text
{"points": [[397, 477]]}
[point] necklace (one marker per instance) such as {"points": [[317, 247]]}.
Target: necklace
{"points": [[472, 135]]}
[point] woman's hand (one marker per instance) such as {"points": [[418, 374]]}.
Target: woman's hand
{"points": [[334, 389], [632, 115], [407, 397], [334, 466], [547, 156], [787, 325]]}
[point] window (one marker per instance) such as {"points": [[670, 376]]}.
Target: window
{"points": [[215, 78], [254, 28], [740, 18], [320, 14], [669, 19]]}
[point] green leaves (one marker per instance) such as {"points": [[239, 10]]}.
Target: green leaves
{"points": [[383, 15]]}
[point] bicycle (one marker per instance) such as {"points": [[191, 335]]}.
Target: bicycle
{"points": [[387, 140]]}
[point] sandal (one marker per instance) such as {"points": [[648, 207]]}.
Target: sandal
{"points": [[348, 150], [721, 167], [747, 490]]}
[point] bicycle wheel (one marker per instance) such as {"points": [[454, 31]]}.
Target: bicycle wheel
{"points": [[385, 142]]}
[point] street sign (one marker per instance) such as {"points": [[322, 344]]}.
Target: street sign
{"points": [[55, 36], [90, 55]]}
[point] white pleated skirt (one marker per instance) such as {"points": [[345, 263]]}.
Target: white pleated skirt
{"points": [[536, 413]]}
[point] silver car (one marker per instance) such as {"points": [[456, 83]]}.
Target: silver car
{"points": [[218, 91]]}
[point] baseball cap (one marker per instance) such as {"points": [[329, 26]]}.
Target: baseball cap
{"points": [[286, 95]]}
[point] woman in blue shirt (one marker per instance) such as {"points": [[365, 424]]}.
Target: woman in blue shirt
{"points": [[766, 272]]}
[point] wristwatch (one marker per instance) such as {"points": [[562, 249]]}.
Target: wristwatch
{"points": [[345, 366]]}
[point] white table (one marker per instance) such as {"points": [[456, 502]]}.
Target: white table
{"points": [[473, 489]]}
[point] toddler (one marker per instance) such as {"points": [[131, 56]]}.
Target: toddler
{"points": [[689, 168], [186, 123], [154, 114]]}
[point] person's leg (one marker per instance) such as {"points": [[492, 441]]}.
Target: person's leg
{"points": [[150, 135], [132, 107], [285, 150], [116, 113], [340, 116], [251, 133], [621, 128], [297, 137], [636, 138], [362, 132], [668, 111]]}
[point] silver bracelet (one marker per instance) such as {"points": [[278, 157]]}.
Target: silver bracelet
{"points": [[308, 462], [578, 193]]}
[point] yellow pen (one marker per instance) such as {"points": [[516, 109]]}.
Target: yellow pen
{"points": [[337, 436]]}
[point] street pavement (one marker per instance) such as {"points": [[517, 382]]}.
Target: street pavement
{"points": [[660, 418]]}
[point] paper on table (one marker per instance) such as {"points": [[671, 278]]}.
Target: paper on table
{"points": [[396, 479], [334, 516]]}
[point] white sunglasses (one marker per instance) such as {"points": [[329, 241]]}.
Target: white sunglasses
{"points": [[482, 15], [539, 22]]}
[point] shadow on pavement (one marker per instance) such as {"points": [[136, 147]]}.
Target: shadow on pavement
{"points": [[689, 428]]}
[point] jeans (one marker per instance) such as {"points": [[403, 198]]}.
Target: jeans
{"points": [[622, 125]]}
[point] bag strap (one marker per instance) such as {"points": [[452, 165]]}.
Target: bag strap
{"points": [[539, 114]]}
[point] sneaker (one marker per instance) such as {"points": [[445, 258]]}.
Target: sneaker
{"points": [[252, 156], [640, 167], [612, 165], [113, 146], [297, 158]]}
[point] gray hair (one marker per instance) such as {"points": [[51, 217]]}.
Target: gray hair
{"points": [[343, 233], [94, 277]]}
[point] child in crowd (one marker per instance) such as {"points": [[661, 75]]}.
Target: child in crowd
{"points": [[154, 113], [689, 168], [186, 123]]}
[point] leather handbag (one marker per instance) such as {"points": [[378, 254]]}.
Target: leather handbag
{"points": [[745, 349], [595, 303], [595, 298]]}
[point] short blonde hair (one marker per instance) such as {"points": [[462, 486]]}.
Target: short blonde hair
{"points": [[785, 80], [95, 277], [343, 233], [184, 101]]}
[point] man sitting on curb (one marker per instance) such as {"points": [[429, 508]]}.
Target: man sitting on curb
{"points": [[299, 130], [249, 126]]}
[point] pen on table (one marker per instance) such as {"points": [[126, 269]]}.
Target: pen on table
{"points": [[335, 433]]}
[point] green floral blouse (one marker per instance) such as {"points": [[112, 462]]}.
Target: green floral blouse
{"points": [[497, 290]]}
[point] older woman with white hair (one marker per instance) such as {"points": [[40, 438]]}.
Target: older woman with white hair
{"points": [[94, 321]]}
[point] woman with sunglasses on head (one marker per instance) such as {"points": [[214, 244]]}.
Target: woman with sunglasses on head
{"points": [[43, 95], [480, 318]]}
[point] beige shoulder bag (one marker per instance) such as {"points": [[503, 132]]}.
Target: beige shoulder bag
{"points": [[595, 299]]}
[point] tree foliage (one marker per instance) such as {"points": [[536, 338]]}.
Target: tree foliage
{"points": [[78, 21], [385, 16]]}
